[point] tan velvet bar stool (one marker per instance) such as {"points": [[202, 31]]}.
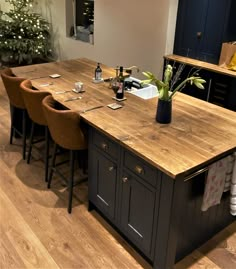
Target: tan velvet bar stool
{"points": [[12, 86], [67, 132], [33, 102]]}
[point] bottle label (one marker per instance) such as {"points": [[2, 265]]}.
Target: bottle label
{"points": [[98, 75], [120, 90]]}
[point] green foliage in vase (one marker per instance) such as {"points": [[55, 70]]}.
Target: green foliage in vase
{"points": [[24, 34], [167, 88]]}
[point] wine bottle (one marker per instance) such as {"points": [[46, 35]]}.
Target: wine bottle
{"points": [[120, 91], [98, 72]]}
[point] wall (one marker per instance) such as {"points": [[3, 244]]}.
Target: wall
{"points": [[126, 33]]}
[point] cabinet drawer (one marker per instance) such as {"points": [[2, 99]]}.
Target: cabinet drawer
{"points": [[140, 168], [106, 145]]}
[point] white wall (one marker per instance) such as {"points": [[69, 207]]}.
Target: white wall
{"points": [[133, 32]]}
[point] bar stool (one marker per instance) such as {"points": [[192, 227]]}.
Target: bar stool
{"points": [[67, 132], [33, 102], [12, 86]]}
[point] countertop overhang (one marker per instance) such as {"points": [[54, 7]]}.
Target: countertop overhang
{"points": [[199, 133]]}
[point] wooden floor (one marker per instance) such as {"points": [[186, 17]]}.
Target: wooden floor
{"points": [[37, 232]]}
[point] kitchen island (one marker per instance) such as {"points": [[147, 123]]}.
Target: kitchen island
{"points": [[146, 178]]}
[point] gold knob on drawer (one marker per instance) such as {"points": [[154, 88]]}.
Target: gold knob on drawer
{"points": [[104, 146], [124, 179], [111, 168], [139, 169]]}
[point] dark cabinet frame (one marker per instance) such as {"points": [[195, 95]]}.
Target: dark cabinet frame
{"points": [[202, 26]]}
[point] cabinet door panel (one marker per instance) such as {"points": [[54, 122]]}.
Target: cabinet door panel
{"points": [[104, 175], [202, 26], [213, 30], [137, 212], [189, 27]]}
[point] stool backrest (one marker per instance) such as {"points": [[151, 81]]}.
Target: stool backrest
{"points": [[12, 86], [33, 102], [64, 125]]}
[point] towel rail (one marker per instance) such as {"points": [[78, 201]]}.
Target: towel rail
{"points": [[196, 173]]}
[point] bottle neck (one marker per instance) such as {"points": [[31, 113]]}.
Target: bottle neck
{"points": [[121, 70]]}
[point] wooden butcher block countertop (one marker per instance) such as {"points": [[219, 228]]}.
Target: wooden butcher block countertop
{"points": [[200, 64], [199, 133]]}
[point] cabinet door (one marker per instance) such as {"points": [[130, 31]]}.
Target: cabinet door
{"points": [[189, 27], [103, 177], [137, 212], [214, 28], [201, 27]]}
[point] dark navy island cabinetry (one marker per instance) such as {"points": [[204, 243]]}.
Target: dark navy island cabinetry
{"points": [[125, 189], [159, 216], [103, 159]]}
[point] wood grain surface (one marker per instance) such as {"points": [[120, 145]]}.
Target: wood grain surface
{"points": [[200, 64], [199, 133]]}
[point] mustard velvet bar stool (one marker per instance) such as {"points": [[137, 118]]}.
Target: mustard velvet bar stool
{"points": [[67, 132], [12, 86], [33, 102]]}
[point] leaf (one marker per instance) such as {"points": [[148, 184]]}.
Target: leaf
{"points": [[148, 75], [198, 85], [159, 83], [146, 81], [200, 80]]}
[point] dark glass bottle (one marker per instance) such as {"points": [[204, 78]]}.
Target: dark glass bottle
{"points": [[98, 72], [120, 91]]}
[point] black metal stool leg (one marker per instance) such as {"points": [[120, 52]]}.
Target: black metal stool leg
{"points": [[12, 110], [71, 179], [52, 165], [24, 133], [46, 156], [31, 141]]}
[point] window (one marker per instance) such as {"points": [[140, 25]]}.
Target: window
{"points": [[83, 11]]}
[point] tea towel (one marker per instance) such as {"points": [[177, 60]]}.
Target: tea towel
{"points": [[233, 189], [215, 183]]}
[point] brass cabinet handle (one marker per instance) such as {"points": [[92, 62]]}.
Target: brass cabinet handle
{"points": [[124, 179], [139, 169], [104, 146]]}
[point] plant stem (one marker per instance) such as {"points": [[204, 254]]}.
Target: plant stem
{"points": [[180, 86]]}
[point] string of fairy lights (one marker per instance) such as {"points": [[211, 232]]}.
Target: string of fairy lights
{"points": [[24, 34]]}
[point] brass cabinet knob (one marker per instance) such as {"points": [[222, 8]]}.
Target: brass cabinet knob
{"points": [[199, 35], [124, 179], [104, 146], [111, 168], [138, 169]]}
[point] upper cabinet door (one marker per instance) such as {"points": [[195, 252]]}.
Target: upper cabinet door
{"points": [[214, 28], [189, 27], [201, 28]]}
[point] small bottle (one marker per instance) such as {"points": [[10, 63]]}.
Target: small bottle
{"points": [[98, 72], [120, 91]]}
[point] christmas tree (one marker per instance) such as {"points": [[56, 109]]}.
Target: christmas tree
{"points": [[24, 34]]}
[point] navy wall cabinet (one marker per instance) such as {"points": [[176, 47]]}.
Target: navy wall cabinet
{"points": [[202, 26]]}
